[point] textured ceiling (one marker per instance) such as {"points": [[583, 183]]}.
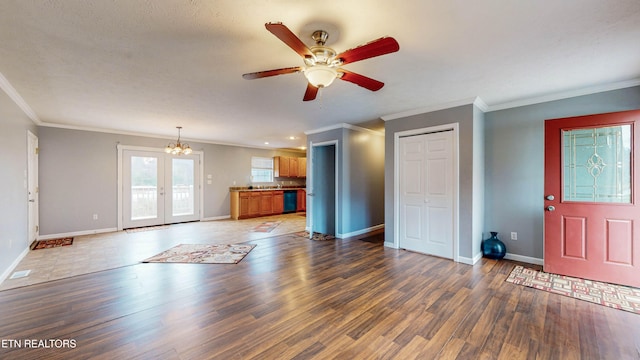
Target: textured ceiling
{"points": [[148, 66]]}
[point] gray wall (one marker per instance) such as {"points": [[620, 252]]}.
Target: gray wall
{"points": [[362, 181], [360, 177], [514, 160], [467, 117], [13, 192], [78, 177]]}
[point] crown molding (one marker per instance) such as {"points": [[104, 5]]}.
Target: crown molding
{"points": [[566, 94], [152, 136], [475, 101], [343, 126], [15, 96]]}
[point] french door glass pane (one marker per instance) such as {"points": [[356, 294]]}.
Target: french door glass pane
{"points": [[597, 164], [182, 186], [144, 187]]}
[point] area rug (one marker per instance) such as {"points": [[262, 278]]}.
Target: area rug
{"points": [[48, 244], [614, 296], [267, 226], [146, 228], [316, 236], [203, 254]]}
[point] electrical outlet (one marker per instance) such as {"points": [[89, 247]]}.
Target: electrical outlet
{"points": [[514, 236], [95, 216]]}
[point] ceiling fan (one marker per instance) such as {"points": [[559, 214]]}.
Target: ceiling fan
{"points": [[323, 64]]}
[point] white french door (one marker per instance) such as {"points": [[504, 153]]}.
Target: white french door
{"points": [[159, 188], [427, 194]]}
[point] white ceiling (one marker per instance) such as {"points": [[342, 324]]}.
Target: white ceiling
{"points": [[146, 66]]}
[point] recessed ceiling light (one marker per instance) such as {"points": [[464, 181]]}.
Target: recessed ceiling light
{"points": [[292, 137], [266, 143]]}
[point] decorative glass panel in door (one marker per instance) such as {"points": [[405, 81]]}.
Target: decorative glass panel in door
{"points": [[143, 185], [597, 164], [182, 186]]}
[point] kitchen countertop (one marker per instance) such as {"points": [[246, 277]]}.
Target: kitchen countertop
{"points": [[237, 189]]}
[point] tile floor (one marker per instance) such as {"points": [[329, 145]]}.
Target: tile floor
{"points": [[91, 253]]}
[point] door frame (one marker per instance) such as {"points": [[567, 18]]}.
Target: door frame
{"points": [[456, 181], [121, 148], [33, 218], [310, 179]]}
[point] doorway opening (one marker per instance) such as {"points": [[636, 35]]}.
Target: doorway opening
{"points": [[322, 196]]}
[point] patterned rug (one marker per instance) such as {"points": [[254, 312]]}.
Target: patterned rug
{"points": [[316, 236], [614, 296], [47, 244], [146, 228], [267, 226], [203, 254]]}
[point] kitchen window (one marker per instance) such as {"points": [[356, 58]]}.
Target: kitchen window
{"points": [[261, 169]]}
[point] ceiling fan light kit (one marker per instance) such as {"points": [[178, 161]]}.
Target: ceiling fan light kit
{"points": [[322, 63]]}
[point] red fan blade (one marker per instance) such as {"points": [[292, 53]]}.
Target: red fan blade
{"points": [[374, 48], [311, 92], [283, 33], [262, 74], [361, 80]]}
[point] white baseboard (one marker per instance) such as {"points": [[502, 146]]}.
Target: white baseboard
{"points": [[76, 233], [223, 217], [360, 232], [470, 261], [525, 259], [13, 265], [390, 245]]}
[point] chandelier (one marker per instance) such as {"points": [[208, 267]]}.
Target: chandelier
{"points": [[178, 148]]}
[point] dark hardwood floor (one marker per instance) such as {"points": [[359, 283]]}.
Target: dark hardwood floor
{"points": [[292, 298]]}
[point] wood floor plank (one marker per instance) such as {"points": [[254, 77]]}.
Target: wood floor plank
{"points": [[292, 298]]}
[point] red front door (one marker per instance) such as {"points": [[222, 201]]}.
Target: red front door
{"points": [[592, 210]]}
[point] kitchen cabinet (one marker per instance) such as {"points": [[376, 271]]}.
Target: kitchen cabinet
{"points": [[281, 166], [266, 203], [302, 200], [278, 202], [302, 167], [248, 204], [254, 204], [291, 167]]}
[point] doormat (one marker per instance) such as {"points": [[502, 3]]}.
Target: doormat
{"points": [[203, 254], [146, 228], [316, 236], [615, 296], [48, 244], [266, 226]]}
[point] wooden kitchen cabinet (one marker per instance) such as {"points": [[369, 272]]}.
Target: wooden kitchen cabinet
{"points": [[248, 204], [293, 167], [243, 211], [302, 167], [266, 203], [254, 204], [281, 166], [284, 166], [278, 202], [301, 204]]}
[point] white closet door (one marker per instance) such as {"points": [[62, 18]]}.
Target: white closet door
{"points": [[426, 193]]}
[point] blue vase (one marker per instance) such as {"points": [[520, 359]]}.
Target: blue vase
{"points": [[493, 248]]}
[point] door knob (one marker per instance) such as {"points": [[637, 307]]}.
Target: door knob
{"points": [[550, 197], [551, 208]]}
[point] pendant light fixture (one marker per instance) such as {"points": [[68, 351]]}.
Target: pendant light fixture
{"points": [[178, 148]]}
